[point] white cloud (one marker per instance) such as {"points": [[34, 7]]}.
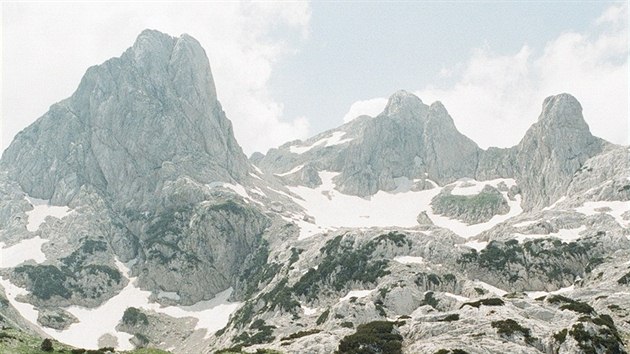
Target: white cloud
{"points": [[371, 107], [48, 46], [496, 98]]}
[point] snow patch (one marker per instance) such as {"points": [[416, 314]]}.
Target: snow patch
{"points": [[566, 235], [309, 311], [41, 210], [409, 260], [334, 139], [526, 223], [537, 294], [253, 175], [293, 170], [490, 288], [617, 208], [469, 186], [457, 297], [257, 190], [29, 249], [236, 188], [356, 293], [478, 245]]}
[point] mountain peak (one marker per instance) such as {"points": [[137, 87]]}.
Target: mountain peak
{"points": [[146, 117], [403, 101], [562, 109]]}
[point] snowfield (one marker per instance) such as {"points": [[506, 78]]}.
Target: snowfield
{"points": [[613, 208], [41, 210], [566, 235], [333, 209]]}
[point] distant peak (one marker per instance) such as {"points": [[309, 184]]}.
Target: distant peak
{"points": [[403, 101], [437, 106], [439, 114], [562, 107], [151, 40]]}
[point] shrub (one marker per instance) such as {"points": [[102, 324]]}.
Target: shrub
{"points": [[570, 304], [493, 301], [509, 327], [450, 318], [625, 280], [301, 334], [323, 317], [561, 336], [373, 337], [46, 345], [134, 316]]}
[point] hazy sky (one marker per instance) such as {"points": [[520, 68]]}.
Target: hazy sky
{"points": [[293, 69]]}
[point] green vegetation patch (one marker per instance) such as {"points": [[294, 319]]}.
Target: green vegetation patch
{"points": [[341, 264], [450, 318], [371, 338], [561, 336], [46, 281], [624, 280], [301, 334], [544, 258], [603, 340], [510, 327], [323, 317], [476, 208], [493, 301], [133, 316], [570, 304], [264, 334]]}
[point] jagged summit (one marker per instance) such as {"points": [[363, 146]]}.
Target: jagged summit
{"points": [[561, 105], [133, 123], [403, 102]]}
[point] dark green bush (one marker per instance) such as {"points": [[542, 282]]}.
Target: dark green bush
{"points": [[323, 317], [301, 334], [371, 338], [493, 301], [46, 345], [134, 316], [450, 318]]}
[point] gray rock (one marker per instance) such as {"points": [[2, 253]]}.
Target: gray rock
{"points": [[56, 318], [553, 149], [471, 209]]}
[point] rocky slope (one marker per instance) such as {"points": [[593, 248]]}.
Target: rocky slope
{"points": [[131, 218]]}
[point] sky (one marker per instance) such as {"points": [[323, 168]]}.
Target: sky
{"points": [[295, 69]]}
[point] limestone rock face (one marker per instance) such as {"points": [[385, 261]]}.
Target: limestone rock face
{"points": [[553, 149], [409, 139], [133, 123]]}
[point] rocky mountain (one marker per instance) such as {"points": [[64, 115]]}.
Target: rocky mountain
{"points": [[133, 123], [129, 218]]}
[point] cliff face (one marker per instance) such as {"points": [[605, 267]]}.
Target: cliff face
{"points": [[133, 123]]}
